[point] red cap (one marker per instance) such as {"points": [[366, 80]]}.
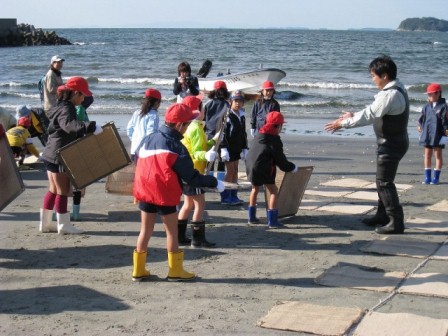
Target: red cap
{"points": [[434, 87], [192, 102], [219, 85], [267, 85], [180, 113], [79, 84], [24, 121], [275, 118], [153, 93]]}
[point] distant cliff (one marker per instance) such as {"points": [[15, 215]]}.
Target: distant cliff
{"points": [[424, 24]]}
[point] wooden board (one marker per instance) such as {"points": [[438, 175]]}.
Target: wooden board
{"points": [[11, 183], [291, 187], [93, 157]]}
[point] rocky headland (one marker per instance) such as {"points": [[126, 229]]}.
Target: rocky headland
{"points": [[423, 24], [27, 35]]}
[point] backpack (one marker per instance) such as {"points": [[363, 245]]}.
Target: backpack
{"points": [[40, 87]]}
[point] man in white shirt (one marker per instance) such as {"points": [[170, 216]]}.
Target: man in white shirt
{"points": [[389, 114]]}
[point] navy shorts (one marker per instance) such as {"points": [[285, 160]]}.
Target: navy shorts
{"points": [[53, 168], [153, 208], [190, 191]]}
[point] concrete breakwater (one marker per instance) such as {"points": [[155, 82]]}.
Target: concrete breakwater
{"points": [[17, 35]]}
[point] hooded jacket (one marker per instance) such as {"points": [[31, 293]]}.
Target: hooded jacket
{"points": [[163, 163], [64, 129], [265, 153]]}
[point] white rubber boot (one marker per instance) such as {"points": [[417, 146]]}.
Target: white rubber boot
{"points": [[46, 221], [64, 225]]}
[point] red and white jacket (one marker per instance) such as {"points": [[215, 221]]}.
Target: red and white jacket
{"points": [[163, 165]]}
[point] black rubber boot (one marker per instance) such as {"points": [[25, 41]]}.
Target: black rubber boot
{"points": [[395, 224], [380, 218], [389, 196], [199, 240], [181, 232]]}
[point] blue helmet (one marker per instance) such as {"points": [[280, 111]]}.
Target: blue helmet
{"points": [[237, 95]]}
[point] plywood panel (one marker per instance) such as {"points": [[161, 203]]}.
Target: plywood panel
{"points": [[291, 187], [11, 183], [94, 156]]}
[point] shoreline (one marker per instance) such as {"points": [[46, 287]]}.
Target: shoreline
{"points": [[293, 127], [81, 284]]}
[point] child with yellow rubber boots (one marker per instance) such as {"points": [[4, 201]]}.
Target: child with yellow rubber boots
{"points": [[20, 141], [163, 163]]}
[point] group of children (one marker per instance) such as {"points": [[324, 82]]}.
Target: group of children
{"points": [[185, 149], [179, 157]]}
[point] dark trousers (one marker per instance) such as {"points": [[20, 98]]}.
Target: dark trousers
{"points": [[386, 170]]}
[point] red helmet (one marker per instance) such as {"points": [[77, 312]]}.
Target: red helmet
{"points": [[219, 85], [434, 87], [24, 121], [79, 84], [192, 102], [153, 93], [267, 85]]}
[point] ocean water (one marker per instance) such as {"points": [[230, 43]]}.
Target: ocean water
{"points": [[327, 71]]}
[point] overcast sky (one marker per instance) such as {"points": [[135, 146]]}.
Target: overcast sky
{"points": [[313, 14]]}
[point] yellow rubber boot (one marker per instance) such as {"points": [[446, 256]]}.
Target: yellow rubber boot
{"points": [[176, 269], [140, 271]]}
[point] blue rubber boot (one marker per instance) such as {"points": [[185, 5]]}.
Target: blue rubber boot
{"points": [[220, 175], [234, 198], [226, 197], [436, 178], [273, 222], [252, 214], [75, 213], [427, 176]]}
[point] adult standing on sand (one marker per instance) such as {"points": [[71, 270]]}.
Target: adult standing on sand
{"points": [[389, 114], [53, 79]]}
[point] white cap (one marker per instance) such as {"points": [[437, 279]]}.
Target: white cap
{"points": [[56, 58]]}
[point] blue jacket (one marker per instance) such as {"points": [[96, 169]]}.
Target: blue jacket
{"points": [[259, 111], [434, 123], [213, 112], [141, 126], [163, 162]]}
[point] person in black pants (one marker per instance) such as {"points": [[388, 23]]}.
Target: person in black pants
{"points": [[389, 114]]}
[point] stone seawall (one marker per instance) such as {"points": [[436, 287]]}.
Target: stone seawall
{"points": [[17, 35], [6, 25]]}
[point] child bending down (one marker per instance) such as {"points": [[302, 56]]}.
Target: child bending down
{"points": [[265, 153], [19, 139]]}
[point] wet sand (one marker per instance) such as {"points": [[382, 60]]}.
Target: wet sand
{"points": [[81, 285]]}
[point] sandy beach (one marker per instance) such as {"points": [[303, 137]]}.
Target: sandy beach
{"points": [[81, 284]]}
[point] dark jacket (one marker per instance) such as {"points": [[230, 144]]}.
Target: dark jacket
{"points": [[265, 153], [191, 90], [64, 129], [163, 162], [434, 123], [259, 111], [235, 136], [214, 111]]}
